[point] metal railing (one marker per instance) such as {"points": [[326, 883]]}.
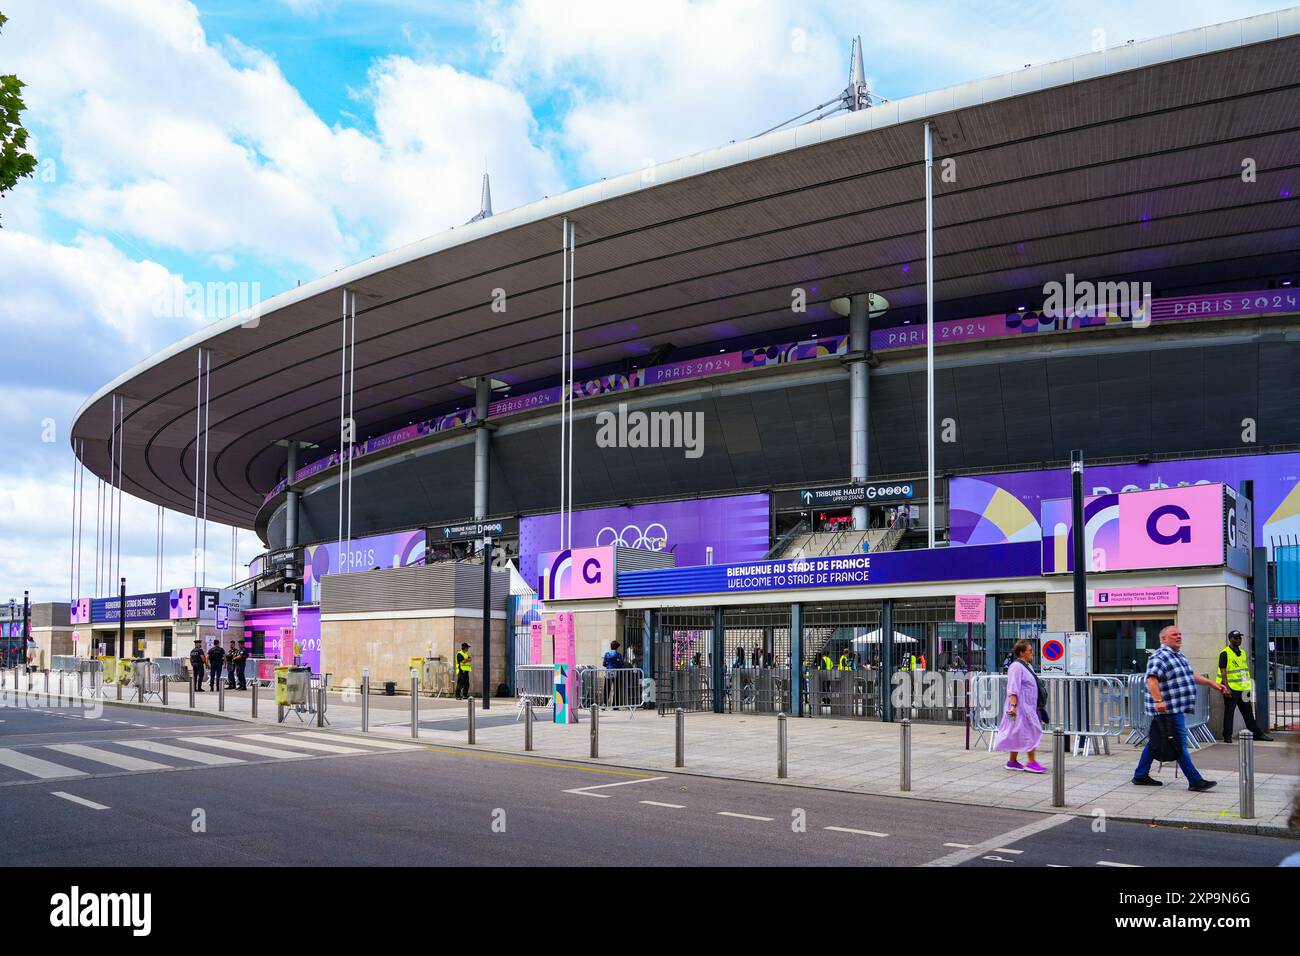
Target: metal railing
{"points": [[758, 690], [611, 688], [1090, 709]]}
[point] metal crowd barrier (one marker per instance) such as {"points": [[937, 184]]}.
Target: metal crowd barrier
{"points": [[171, 668], [1139, 721], [146, 677], [831, 692], [758, 690], [65, 664], [92, 677], [1198, 721], [1089, 709], [685, 688], [534, 683], [610, 688]]}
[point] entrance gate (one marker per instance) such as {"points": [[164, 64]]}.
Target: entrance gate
{"points": [[683, 641]]}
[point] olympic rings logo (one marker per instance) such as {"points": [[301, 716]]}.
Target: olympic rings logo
{"points": [[653, 538]]}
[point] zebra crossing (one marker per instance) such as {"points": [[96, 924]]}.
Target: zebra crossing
{"points": [[58, 761]]}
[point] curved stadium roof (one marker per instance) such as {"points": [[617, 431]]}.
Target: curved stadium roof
{"points": [[1124, 163]]}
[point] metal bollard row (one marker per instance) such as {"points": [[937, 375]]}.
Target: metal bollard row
{"points": [[415, 706], [595, 731], [1058, 767], [528, 725], [365, 700], [680, 759], [471, 720], [905, 755]]}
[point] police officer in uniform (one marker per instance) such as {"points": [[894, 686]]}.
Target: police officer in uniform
{"points": [[241, 658], [196, 664], [463, 669], [232, 654], [216, 658], [1234, 670]]}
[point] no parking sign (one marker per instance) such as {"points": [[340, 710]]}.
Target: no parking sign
{"points": [[1053, 651]]}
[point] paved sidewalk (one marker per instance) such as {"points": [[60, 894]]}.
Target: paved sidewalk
{"points": [[838, 754]]}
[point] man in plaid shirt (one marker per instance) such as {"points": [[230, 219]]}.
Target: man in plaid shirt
{"points": [[1171, 689]]}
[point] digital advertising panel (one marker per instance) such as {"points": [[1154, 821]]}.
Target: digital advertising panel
{"points": [[400, 550]]}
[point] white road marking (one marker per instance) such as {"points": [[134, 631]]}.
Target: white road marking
{"points": [[1109, 863], [35, 766], [76, 799], [1003, 849], [958, 846], [1013, 836], [670, 806], [184, 753], [121, 761], [586, 791], [873, 833], [368, 742], [243, 747], [292, 740], [743, 816]]}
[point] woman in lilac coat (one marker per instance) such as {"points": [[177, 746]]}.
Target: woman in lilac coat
{"points": [[1021, 728]]}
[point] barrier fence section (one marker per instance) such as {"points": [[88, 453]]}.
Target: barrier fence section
{"points": [[147, 679], [92, 677], [758, 690], [1089, 709], [535, 683], [611, 688]]}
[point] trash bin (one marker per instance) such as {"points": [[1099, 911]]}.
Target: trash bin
{"points": [[390, 688]]}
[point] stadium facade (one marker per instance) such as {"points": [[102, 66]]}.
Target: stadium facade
{"points": [[1115, 270]]}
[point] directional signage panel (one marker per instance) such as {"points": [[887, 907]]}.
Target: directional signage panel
{"points": [[858, 494]]}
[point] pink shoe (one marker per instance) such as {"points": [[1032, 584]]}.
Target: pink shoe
{"points": [[1035, 767], [1014, 765]]}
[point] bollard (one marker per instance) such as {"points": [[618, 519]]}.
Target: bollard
{"points": [[1058, 767], [256, 683], [191, 693], [320, 704], [164, 682], [1246, 773], [471, 719], [415, 706], [221, 695], [680, 760], [119, 688], [528, 725], [782, 741], [61, 676], [365, 701], [595, 731], [905, 755]]}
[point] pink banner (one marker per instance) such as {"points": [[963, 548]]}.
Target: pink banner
{"points": [[535, 642], [1131, 597], [970, 609]]}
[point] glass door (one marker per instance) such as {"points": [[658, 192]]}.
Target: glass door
{"points": [[1122, 645]]}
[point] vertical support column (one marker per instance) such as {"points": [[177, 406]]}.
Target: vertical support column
{"points": [[482, 437], [715, 668], [291, 499], [648, 643], [886, 659], [1259, 636], [796, 659], [859, 369]]}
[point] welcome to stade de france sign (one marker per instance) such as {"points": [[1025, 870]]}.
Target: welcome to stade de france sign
{"points": [[976, 562]]}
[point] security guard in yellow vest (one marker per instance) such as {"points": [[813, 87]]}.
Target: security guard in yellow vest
{"points": [[846, 661], [1234, 671], [827, 665], [463, 669]]}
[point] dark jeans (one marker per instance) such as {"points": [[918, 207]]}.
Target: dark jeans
{"points": [[214, 677], [1236, 699], [198, 677], [239, 675], [230, 675], [462, 684], [1184, 759]]}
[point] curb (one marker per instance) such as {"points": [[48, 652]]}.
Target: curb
{"points": [[145, 708]]}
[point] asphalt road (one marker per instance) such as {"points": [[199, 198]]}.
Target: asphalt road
{"points": [[128, 788]]}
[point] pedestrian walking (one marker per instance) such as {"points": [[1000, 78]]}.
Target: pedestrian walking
{"points": [[1171, 689], [463, 670], [216, 664], [196, 664], [1234, 671], [1022, 723]]}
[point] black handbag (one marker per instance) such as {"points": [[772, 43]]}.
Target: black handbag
{"points": [[1166, 742]]}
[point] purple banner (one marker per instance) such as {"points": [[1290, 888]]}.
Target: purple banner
{"points": [[737, 528], [270, 620], [400, 550], [1221, 305], [990, 509]]}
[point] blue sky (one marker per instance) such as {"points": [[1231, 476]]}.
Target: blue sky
{"points": [[270, 141]]}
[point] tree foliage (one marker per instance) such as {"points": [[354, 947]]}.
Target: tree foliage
{"points": [[15, 161]]}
